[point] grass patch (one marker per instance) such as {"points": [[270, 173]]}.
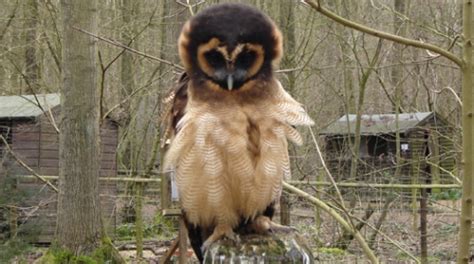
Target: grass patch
{"points": [[161, 227], [14, 248]]}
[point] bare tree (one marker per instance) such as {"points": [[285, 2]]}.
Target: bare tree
{"points": [[79, 224], [31, 64], [78, 201]]}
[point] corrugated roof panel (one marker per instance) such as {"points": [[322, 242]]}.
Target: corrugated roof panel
{"points": [[376, 124], [26, 105]]}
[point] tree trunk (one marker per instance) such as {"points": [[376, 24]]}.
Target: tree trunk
{"points": [[31, 64], [378, 225], [397, 53], [79, 225], [346, 60], [423, 226], [467, 136], [397, 75], [287, 26], [126, 76], [346, 236]]}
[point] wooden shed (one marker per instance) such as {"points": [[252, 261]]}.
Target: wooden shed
{"points": [[29, 123], [426, 147]]}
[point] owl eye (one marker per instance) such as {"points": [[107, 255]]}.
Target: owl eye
{"points": [[215, 59], [246, 59]]}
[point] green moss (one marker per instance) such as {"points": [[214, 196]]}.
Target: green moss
{"points": [[276, 247], [103, 254], [60, 256], [332, 251]]}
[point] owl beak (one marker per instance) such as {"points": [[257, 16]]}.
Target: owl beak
{"points": [[230, 82]]}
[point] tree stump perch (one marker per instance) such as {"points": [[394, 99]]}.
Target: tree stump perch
{"points": [[278, 247]]}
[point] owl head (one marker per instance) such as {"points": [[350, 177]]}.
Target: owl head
{"points": [[229, 45]]}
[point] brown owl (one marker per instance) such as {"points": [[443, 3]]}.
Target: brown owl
{"points": [[231, 119]]}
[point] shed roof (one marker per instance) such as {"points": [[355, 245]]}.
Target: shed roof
{"points": [[21, 106], [377, 124]]}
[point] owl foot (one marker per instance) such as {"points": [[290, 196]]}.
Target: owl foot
{"points": [[264, 225], [220, 231]]}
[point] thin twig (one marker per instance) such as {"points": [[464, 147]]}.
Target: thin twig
{"points": [[166, 258], [346, 225], [24, 165], [326, 169], [445, 171], [123, 46], [10, 20], [36, 100], [379, 185], [456, 96], [393, 242], [289, 70], [111, 62], [52, 120], [130, 96], [190, 6], [143, 179], [384, 35]]}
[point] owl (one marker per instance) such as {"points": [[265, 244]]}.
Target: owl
{"points": [[230, 122]]}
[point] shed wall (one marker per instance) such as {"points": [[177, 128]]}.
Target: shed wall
{"points": [[430, 158], [36, 143]]}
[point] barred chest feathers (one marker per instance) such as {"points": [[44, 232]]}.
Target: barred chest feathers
{"points": [[231, 157]]}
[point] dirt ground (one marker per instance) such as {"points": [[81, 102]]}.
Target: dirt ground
{"points": [[398, 240], [401, 227]]}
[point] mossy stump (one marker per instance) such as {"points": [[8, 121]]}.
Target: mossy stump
{"points": [[274, 248]]}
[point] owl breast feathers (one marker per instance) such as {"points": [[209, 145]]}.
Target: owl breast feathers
{"points": [[231, 156]]}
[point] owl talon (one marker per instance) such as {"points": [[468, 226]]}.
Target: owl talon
{"points": [[263, 224], [220, 232], [204, 247], [234, 237]]}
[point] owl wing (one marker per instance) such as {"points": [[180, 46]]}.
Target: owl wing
{"points": [[174, 105], [280, 116], [289, 111], [173, 111]]}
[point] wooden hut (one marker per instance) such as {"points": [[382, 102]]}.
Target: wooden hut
{"points": [[426, 148], [29, 124]]}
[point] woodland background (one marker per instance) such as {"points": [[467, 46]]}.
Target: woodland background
{"points": [[332, 70]]}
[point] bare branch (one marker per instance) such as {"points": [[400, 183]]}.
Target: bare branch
{"points": [[289, 70], [24, 165], [347, 226], [326, 169], [190, 6], [456, 96], [10, 20], [384, 35], [131, 95], [123, 46]]}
